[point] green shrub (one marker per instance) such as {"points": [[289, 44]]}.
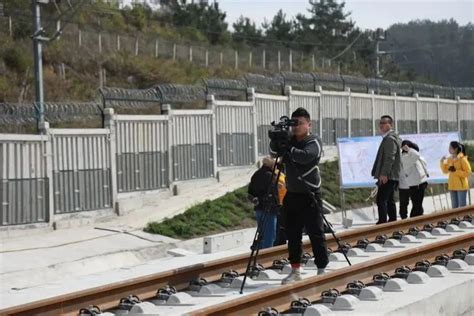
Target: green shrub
{"points": [[3, 88], [16, 59]]}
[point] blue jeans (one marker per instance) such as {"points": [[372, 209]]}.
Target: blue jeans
{"points": [[458, 198], [269, 228]]}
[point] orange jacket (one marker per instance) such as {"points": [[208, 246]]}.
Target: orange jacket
{"points": [[281, 188]]}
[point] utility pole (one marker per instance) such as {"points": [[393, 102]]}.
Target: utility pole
{"points": [[380, 36], [38, 60], [39, 36]]}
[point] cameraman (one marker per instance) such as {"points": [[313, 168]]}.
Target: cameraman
{"points": [[301, 157]]}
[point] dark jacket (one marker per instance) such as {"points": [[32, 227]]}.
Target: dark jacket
{"points": [[258, 188], [301, 164], [388, 160]]}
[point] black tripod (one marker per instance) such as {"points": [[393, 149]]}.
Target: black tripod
{"points": [[258, 237]]}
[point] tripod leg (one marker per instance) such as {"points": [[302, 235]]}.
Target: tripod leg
{"points": [[253, 254], [261, 235], [256, 245], [336, 238]]}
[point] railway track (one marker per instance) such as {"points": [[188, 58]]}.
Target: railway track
{"points": [[107, 297], [311, 288]]}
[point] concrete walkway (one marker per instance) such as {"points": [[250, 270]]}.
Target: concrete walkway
{"points": [[109, 243]]}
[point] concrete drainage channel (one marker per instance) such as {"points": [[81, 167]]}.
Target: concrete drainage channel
{"points": [[200, 292], [410, 242]]}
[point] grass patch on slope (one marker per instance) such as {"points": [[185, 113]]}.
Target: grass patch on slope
{"points": [[233, 211], [230, 211]]}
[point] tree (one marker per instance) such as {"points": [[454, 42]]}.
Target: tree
{"points": [[138, 16], [23, 26], [441, 51], [280, 29], [246, 32], [327, 25], [208, 19]]}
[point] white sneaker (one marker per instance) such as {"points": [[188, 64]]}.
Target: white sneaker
{"points": [[321, 271], [295, 275]]}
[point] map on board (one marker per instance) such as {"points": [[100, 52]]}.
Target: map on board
{"points": [[357, 155]]}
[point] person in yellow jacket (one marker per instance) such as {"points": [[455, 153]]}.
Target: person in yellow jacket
{"points": [[459, 169]]}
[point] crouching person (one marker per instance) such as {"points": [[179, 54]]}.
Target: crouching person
{"points": [[263, 192]]}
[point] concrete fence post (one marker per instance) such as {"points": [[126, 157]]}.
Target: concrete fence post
{"points": [[287, 91], [319, 89], [210, 104], [458, 113], [118, 42], [372, 93], [167, 110], [264, 56], [48, 157], [109, 122], [206, 57], [349, 115], [395, 114], [417, 105], [251, 98], [100, 43], [157, 47], [10, 26], [291, 60], [236, 54], [438, 117]]}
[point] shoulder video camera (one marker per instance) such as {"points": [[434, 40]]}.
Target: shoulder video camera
{"points": [[280, 134]]}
